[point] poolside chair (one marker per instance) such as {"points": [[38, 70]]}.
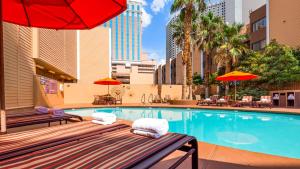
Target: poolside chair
{"points": [[32, 118], [157, 99], [209, 101], [166, 99], [198, 98], [118, 99], [265, 101], [99, 100], [223, 101], [114, 146], [246, 101]]}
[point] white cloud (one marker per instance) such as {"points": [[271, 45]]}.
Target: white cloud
{"points": [[158, 5], [146, 18]]}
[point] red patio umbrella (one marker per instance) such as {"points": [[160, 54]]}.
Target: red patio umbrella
{"points": [[236, 76], [107, 81], [61, 14], [53, 14]]}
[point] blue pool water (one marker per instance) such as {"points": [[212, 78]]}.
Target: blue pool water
{"points": [[276, 134]]}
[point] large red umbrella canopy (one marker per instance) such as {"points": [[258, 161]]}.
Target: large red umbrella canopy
{"points": [[107, 81], [236, 76], [61, 14]]}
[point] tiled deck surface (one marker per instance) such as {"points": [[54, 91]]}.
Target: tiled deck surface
{"points": [[213, 156]]}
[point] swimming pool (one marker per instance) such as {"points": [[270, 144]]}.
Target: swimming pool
{"points": [[276, 134]]}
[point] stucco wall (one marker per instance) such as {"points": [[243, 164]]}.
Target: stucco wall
{"points": [[84, 93], [285, 21], [94, 55]]}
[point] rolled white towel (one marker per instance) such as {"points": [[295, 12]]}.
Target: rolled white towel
{"points": [[146, 133], [41, 110], [157, 126], [104, 117], [102, 122]]}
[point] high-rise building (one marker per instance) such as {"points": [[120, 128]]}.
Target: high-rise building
{"points": [[126, 30], [218, 9], [171, 48], [128, 63], [234, 11]]}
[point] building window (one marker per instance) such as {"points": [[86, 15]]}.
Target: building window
{"points": [[259, 45], [259, 24]]}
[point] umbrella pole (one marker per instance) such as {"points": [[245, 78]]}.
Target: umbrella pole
{"points": [[235, 90], [108, 89]]}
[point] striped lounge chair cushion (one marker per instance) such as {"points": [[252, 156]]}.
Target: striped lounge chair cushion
{"points": [[20, 143], [117, 149]]}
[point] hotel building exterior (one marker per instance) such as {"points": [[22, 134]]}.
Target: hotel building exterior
{"points": [[127, 58], [267, 23]]}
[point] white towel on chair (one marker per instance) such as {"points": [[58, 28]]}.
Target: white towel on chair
{"points": [[146, 133], [155, 126], [105, 117], [102, 122]]}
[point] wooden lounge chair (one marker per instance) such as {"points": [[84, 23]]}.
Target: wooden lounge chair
{"points": [[209, 101], [166, 99], [198, 98], [99, 100], [88, 145], [265, 101], [34, 118], [223, 101], [117, 99], [246, 101], [157, 99]]}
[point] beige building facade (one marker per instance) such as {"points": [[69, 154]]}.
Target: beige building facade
{"points": [[283, 19], [36, 62]]}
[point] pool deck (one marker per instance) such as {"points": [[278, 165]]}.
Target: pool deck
{"points": [[211, 156]]}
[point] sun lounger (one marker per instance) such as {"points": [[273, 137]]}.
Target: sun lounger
{"points": [[157, 99], [87, 145], [246, 101], [209, 101], [33, 118], [265, 101], [223, 101]]}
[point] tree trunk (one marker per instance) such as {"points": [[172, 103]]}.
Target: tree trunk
{"points": [[183, 95], [189, 76], [206, 76], [187, 45]]}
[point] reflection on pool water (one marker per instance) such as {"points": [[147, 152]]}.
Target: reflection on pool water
{"points": [[276, 134]]}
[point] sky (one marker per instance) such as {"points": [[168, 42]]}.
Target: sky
{"points": [[156, 14]]}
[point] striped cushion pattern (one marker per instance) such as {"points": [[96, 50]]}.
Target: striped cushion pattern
{"points": [[117, 149], [22, 140]]}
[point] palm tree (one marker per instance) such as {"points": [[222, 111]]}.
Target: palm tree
{"points": [[232, 47], [178, 36], [187, 9], [208, 40]]}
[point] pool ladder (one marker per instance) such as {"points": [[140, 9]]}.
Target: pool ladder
{"points": [[143, 99], [150, 99]]}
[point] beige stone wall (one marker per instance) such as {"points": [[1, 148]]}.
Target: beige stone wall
{"points": [[57, 49], [94, 55], [84, 93], [179, 68], [18, 66], [285, 21]]}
